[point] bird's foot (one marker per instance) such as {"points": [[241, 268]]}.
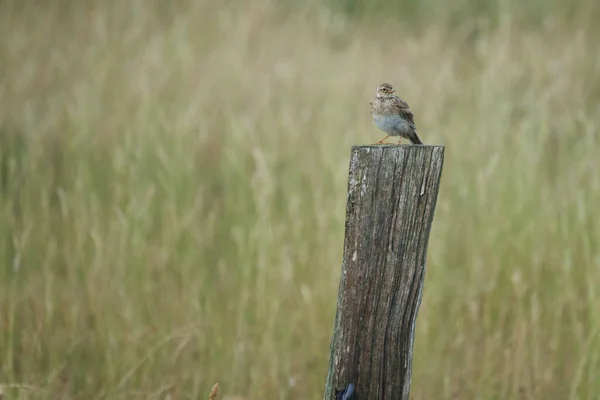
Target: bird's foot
{"points": [[381, 141]]}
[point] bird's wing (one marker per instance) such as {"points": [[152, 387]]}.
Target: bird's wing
{"points": [[402, 108], [371, 107]]}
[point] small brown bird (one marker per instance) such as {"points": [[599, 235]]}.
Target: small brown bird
{"points": [[392, 115]]}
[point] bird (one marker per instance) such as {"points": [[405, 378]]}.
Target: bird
{"points": [[392, 115]]}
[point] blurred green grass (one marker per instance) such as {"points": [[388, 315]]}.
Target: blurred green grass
{"points": [[173, 182]]}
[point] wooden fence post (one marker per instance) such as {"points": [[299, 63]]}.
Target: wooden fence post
{"points": [[392, 193]]}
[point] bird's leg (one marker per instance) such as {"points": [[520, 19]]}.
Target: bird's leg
{"points": [[381, 141]]}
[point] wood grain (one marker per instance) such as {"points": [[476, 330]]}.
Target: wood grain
{"points": [[392, 193]]}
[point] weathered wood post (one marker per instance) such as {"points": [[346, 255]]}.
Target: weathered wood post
{"points": [[392, 193]]}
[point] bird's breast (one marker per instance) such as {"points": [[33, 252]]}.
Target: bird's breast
{"points": [[392, 124]]}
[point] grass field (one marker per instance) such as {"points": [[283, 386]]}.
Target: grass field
{"points": [[173, 183]]}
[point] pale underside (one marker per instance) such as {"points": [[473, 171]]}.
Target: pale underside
{"points": [[393, 125]]}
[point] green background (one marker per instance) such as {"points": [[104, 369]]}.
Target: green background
{"points": [[173, 183]]}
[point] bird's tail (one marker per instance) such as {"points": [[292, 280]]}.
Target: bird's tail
{"points": [[414, 137]]}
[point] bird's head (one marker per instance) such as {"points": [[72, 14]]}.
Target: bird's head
{"points": [[385, 90]]}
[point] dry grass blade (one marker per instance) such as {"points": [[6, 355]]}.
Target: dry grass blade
{"points": [[214, 391]]}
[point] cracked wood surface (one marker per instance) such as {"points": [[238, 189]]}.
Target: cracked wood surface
{"points": [[392, 193]]}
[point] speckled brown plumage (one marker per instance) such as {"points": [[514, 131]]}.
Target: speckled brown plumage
{"points": [[393, 115]]}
